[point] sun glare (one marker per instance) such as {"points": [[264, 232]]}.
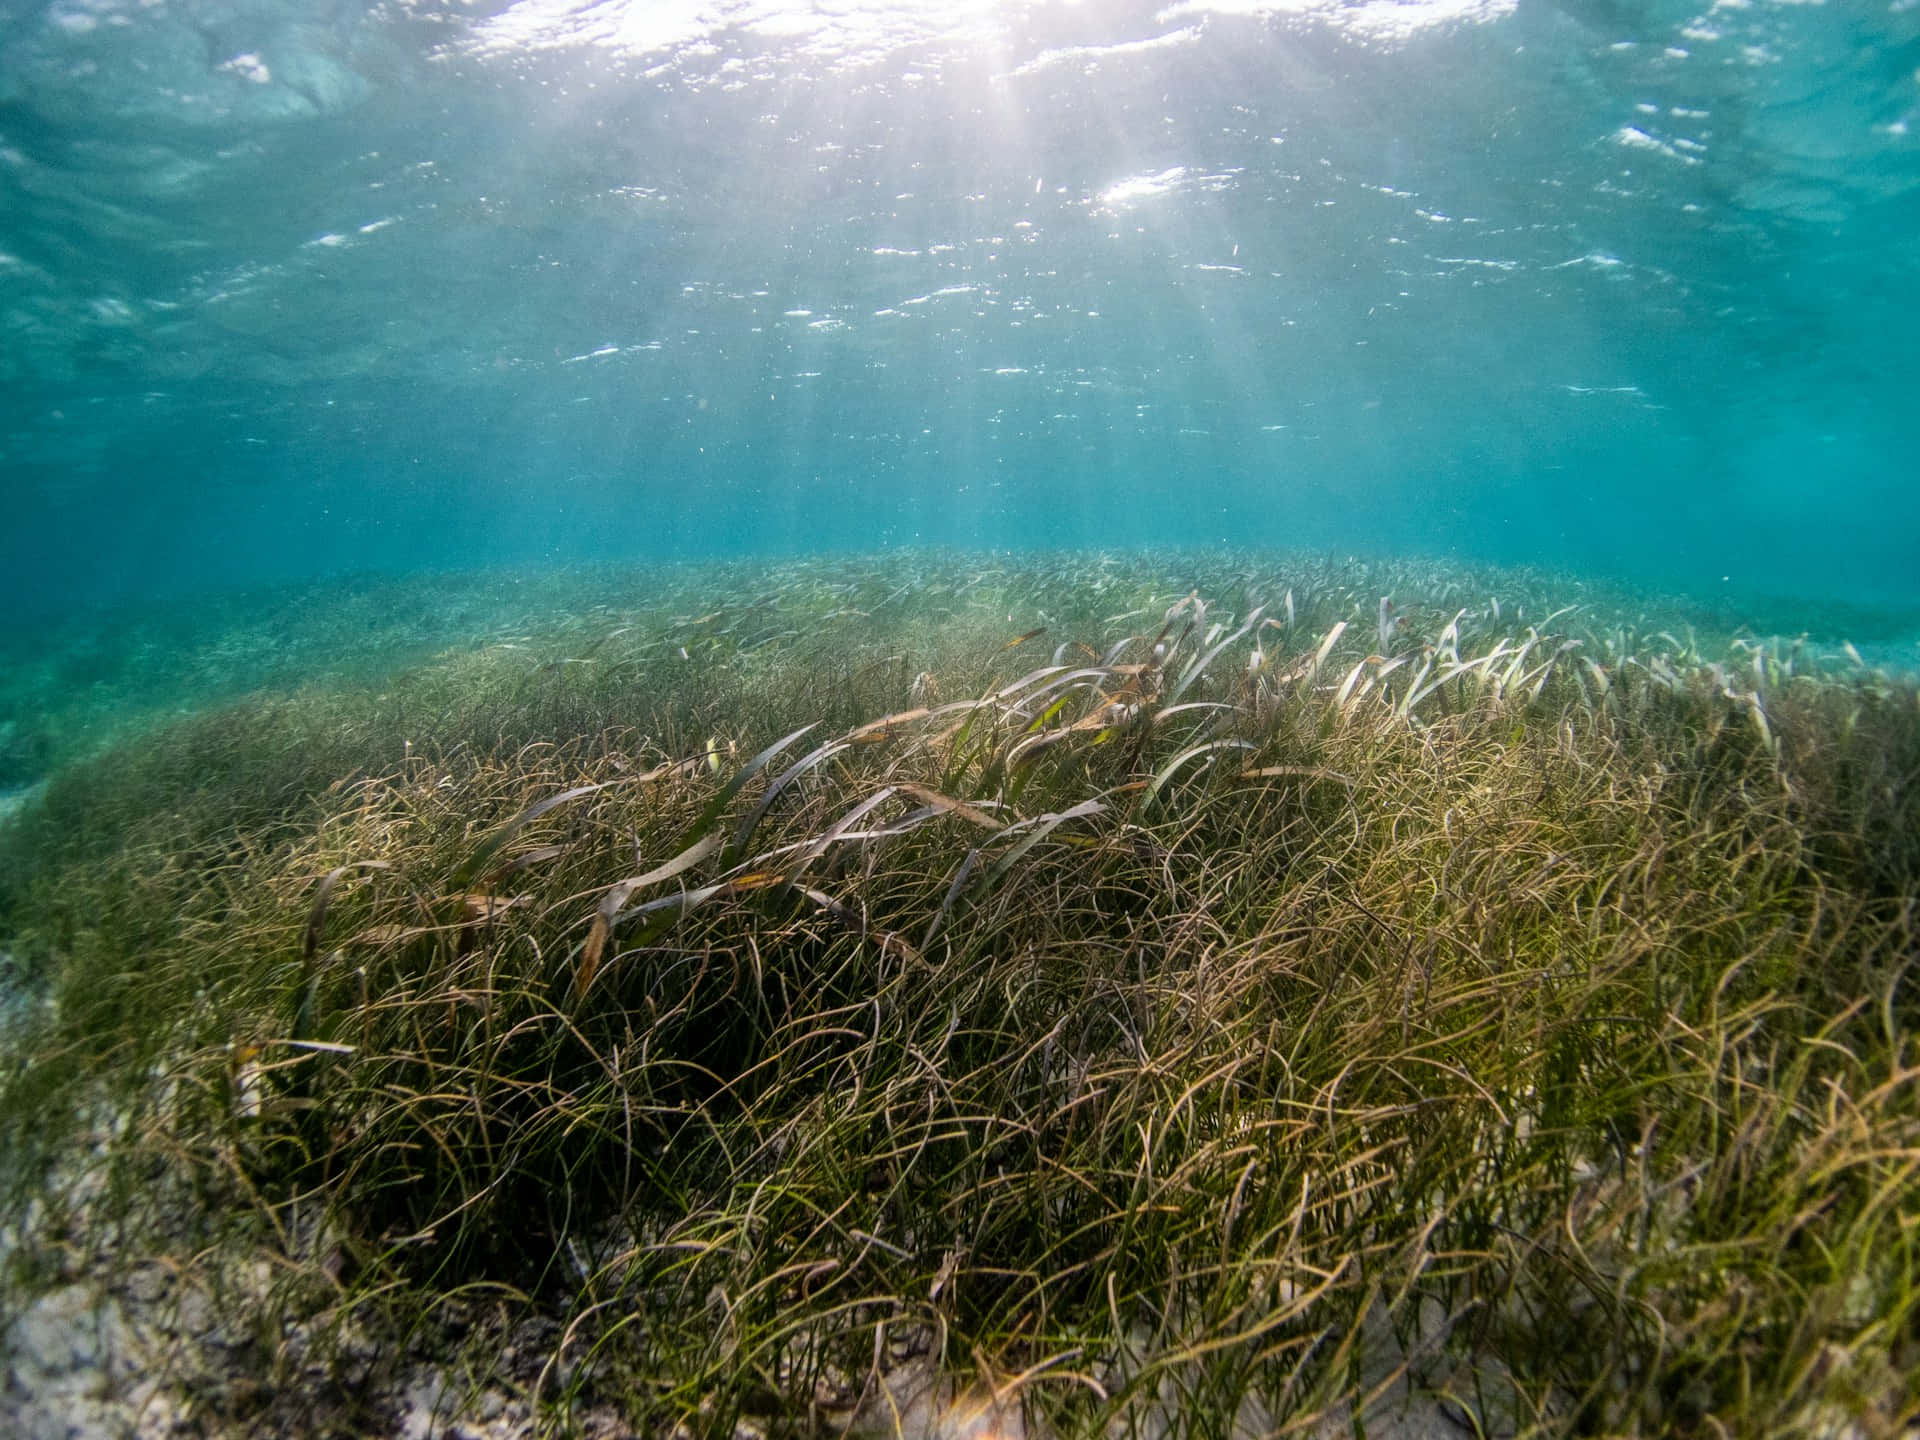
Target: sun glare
{"points": [[647, 27]]}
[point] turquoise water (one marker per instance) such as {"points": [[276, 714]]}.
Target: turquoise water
{"points": [[433, 426], [291, 290]]}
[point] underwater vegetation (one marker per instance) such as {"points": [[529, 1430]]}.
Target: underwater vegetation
{"points": [[69, 688], [1205, 995]]}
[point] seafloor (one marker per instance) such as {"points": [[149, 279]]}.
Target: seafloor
{"points": [[1202, 995]]}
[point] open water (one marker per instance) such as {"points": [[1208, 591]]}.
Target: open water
{"points": [[336, 335], [296, 288]]}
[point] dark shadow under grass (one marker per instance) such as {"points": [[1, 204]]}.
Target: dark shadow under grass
{"points": [[870, 990]]}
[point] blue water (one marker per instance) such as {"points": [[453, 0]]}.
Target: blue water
{"points": [[289, 288]]}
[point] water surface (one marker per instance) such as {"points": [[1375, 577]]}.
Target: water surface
{"points": [[291, 289]]}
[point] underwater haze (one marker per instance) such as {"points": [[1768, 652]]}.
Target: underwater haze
{"points": [[959, 719], [291, 289]]}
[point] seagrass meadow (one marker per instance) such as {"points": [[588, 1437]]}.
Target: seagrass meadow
{"points": [[1182, 995]]}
